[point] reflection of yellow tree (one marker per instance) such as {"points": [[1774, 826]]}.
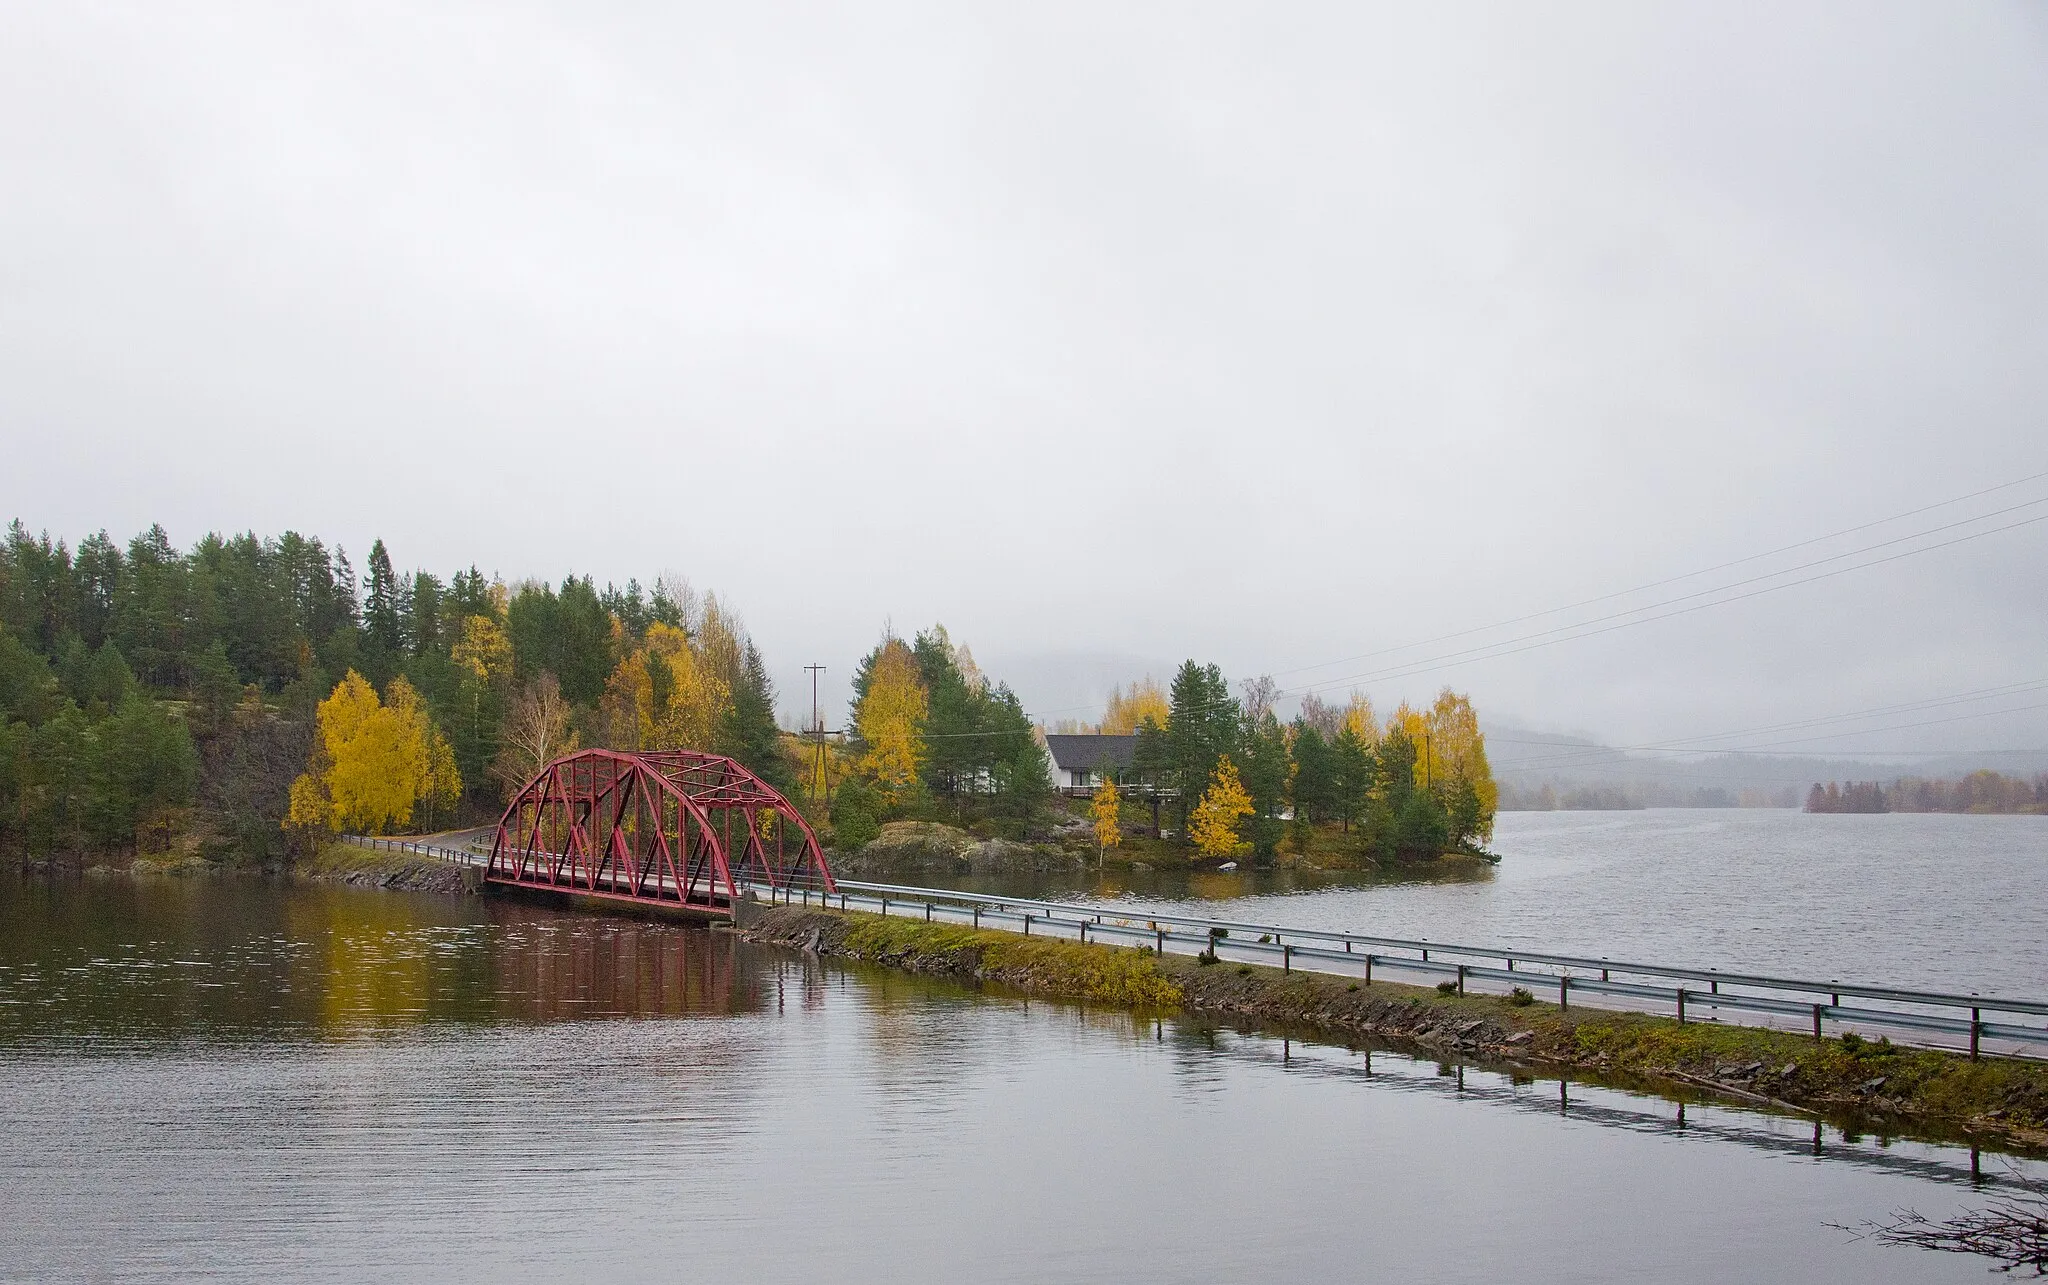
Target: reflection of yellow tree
{"points": [[373, 968]]}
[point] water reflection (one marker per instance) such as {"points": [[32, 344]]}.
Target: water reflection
{"points": [[334, 1084], [121, 962], [1683, 1116]]}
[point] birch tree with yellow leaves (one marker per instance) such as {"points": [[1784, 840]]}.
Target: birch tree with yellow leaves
{"points": [[1459, 750], [1224, 804], [1127, 710], [374, 762], [1106, 808], [890, 721], [1450, 762]]}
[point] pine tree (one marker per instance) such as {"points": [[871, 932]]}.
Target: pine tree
{"points": [[959, 748]]}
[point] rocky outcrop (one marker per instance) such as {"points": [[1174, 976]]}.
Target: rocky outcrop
{"points": [[400, 872], [911, 849]]}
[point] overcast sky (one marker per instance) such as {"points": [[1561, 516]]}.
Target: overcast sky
{"points": [[1106, 334]]}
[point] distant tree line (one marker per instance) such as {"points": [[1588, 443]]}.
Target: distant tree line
{"points": [[224, 693], [1982, 791], [1610, 797]]}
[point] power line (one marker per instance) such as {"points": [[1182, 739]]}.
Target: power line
{"points": [[1545, 638], [1692, 575], [1533, 642], [1580, 629]]}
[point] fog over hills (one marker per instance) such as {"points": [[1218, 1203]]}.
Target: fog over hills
{"points": [[1524, 761]]}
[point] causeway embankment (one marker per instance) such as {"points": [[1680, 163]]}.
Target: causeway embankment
{"points": [[1870, 1086]]}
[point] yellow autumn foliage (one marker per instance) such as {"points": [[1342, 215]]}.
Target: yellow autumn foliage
{"points": [[1459, 748], [672, 691], [890, 721], [1450, 747], [1359, 719], [1107, 811], [1126, 711], [1213, 826], [484, 649], [373, 761]]}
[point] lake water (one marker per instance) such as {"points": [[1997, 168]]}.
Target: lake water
{"points": [[1932, 902], [252, 1082]]}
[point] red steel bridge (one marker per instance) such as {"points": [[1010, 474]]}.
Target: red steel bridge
{"points": [[675, 828]]}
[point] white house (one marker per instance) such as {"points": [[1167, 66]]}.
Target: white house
{"points": [[1079, 761]]}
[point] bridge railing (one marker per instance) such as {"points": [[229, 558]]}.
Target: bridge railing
{"points": [[1937, 1019]]}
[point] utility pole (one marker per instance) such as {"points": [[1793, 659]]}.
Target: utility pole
{"points": [[818, 734]]}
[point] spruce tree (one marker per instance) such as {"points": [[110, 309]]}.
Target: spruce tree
{"points": [[1201, 727], [380, 609], [1265, 780], [1314, 788], [748, 731], [1354, 773]]}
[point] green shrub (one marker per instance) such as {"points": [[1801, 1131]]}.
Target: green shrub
{"points": [[1520, 998], [1446, 988]]}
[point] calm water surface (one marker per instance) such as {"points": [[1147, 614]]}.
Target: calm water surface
{"points": [[1926, 901], [242, 1081]]}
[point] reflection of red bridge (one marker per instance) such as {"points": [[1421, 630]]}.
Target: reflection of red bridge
{"points": [[669, 827]]}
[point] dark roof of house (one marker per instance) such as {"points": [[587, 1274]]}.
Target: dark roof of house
{"points": [[1071, 753]]}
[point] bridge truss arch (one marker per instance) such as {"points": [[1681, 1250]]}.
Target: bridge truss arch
{"points": [[674, 827]]}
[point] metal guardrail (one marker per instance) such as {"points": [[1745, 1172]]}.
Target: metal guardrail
{"points": [[1915, 1016], [461, 856]]}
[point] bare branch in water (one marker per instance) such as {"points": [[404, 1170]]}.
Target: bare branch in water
{"points": [[2012, 1229]]}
